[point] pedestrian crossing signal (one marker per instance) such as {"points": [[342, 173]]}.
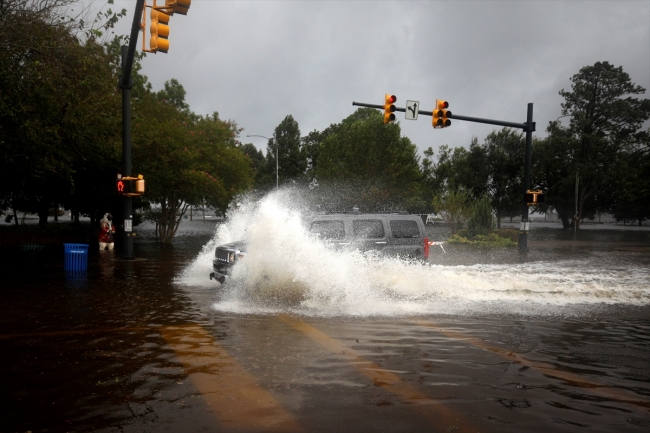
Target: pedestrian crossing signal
{"points": [[534, 197], [123, 186]]}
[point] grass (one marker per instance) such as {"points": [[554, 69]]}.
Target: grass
{"points": [[497, 238]]}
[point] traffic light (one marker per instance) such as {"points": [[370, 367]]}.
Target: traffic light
{"points": [[441, 115], [123, 186], [139, 185], [389, 108], [159, 31], [178, 6], [534, 197]]}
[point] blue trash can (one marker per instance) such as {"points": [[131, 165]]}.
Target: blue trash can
{"points": [[76, 257]]}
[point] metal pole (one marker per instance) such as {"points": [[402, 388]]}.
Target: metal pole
{"points": [[452, 117], [523, 236], [128, 53], [126, 157], [575, 215], [277, 176]]}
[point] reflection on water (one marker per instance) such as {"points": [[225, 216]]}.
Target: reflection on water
{"points": [[548, 341]]}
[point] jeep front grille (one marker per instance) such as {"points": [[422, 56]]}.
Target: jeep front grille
{"points": [[222, 255]]}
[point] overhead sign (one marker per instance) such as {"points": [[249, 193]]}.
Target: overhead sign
{"points": [[412, 110]]}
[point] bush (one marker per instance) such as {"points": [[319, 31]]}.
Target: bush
{"points": [[491, 240], [453, 208], [480, 222]]}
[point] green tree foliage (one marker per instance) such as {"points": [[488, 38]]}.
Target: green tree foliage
{"points": [[631, 198], [494, 168], [504, 152], [257, 161], [480, 223], [554, 171], [371, 163], [454, 207], [311, 145], [606, 122], [457, 168], [173, 94], [61, 123], [56, 92], [186, 159], [292, 161]]}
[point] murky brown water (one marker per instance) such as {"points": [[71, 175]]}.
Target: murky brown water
{"points": [[128, 348]]}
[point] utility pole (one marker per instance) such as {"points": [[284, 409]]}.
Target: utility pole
{"points": [[128, 53]]}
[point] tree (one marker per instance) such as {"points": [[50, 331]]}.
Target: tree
{"points": [[454, 207], [480, 223], [292, 162], [554, 171], [375, 167], [504, 162], [57, 89], [187, 160], [257, 161], [174, 95], [632, 190], [605, 121]]}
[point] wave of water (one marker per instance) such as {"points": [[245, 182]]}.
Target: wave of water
{"points": [[286, 270]]}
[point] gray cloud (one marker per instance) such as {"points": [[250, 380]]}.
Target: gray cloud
{"points": [[257, 61]]}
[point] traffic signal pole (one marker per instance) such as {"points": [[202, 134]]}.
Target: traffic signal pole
{"points": [[128, 54], [528, 127]]}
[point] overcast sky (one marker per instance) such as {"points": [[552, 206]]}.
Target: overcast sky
{"points": [[255, 62]]}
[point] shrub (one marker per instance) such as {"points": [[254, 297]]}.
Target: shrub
{"points": [[480, 222]]}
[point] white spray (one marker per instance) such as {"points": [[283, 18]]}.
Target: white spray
{"points": [[287, 270]]}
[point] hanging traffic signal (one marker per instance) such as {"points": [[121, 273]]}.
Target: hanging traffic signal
{"points": [[534, 197], [389, 108], [159, 31], [441, 115], [178, 6], [160, 23]]}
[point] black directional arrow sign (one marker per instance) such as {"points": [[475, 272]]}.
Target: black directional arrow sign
{"points": [[412, 110]]}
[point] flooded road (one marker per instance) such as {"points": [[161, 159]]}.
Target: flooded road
{"points": [[308, 340]]}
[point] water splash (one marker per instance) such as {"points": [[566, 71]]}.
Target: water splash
{"points": [[287, 270]]}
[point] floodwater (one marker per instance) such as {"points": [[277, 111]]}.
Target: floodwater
{"points": [[308, 339]]}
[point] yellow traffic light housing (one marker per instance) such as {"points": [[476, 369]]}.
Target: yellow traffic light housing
{"points": [[534, 197], [178, 6], [441, 115], [389, 108], [159, 31]]}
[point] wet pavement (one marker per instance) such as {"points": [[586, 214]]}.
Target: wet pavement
{"points": [[140, 346]]}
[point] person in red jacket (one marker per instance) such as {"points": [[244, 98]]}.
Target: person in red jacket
{"points": [[107, 232]]}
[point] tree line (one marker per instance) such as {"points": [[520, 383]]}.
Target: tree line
{"points": [[60, 141], [61, 124], [597, 162]]}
